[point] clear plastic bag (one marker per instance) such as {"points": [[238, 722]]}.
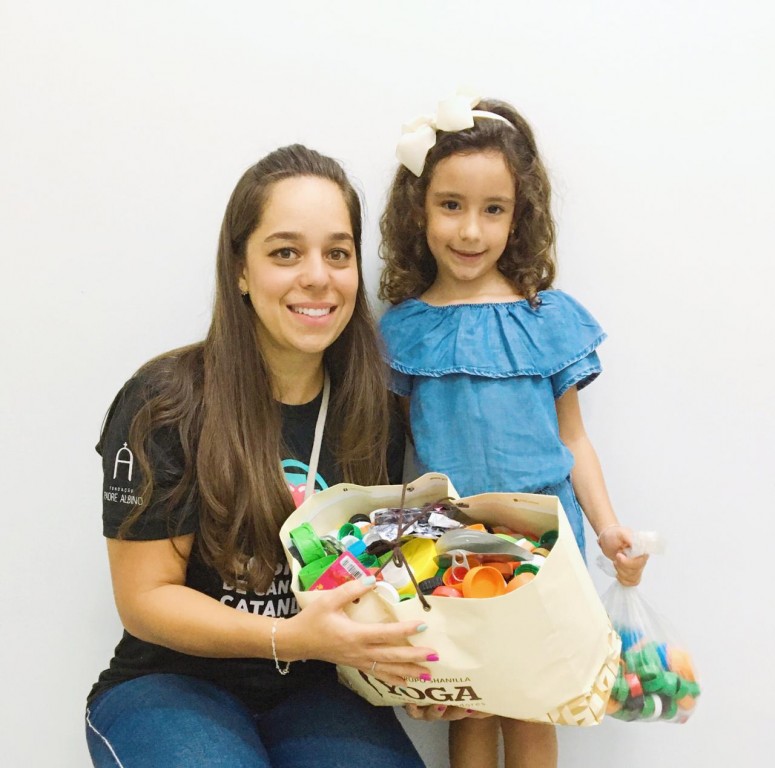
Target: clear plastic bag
{"points": [[656, 679]]}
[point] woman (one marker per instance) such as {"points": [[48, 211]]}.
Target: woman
{"points": [[205, 451]]}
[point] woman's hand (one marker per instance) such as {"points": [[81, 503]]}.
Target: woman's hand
{"points": [[614, 540], [324, 631], [432, 713]]}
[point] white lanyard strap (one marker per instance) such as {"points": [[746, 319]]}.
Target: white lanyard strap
{"points": [[318, 441]]}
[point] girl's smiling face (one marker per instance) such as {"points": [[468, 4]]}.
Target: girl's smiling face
{"points": [[301, 269], [469, 208]]}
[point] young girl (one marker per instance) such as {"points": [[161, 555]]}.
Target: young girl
{"points": [[490, 359]]}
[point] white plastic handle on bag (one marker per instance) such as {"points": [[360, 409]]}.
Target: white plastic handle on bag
{"points": [[643, 543]]}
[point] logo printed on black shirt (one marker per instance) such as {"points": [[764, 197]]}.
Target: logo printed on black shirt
{"points": [[121, 455]]}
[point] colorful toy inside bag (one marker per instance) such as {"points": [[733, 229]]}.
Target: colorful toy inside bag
{"points": [[656, 679]]}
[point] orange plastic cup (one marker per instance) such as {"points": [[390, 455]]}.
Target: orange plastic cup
{"points": [[483, 581]]}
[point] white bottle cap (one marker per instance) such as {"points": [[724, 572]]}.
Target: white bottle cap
{"points": [[387, 591], [397, 575]]}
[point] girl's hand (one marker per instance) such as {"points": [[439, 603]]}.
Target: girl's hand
{"points": [[431, 713], [614, 540], [324, 631]]}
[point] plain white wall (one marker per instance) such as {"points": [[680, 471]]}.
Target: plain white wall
{"points": [[123, 128]]}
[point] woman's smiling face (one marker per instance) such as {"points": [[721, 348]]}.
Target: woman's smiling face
{"points": [[300, 269]]}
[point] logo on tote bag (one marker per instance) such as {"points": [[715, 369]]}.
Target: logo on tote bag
{"points": [[456, 693]]}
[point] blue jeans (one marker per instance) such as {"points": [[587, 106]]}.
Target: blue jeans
{"points": [[174, 721]]}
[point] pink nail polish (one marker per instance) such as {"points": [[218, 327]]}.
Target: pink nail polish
{"points": [[469, 711], [441, 709], [432, 657], [426, 678]]}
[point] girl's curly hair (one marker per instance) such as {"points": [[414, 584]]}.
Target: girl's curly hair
{"points": [[529, 258]]}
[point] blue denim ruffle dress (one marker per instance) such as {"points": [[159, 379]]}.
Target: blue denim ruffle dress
{"points": [[482, 381]]}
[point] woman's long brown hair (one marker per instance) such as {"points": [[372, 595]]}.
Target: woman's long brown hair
{"points": [[217, 396]]}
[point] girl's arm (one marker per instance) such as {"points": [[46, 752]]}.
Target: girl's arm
{"points": [[589, 487], [155, 605]]}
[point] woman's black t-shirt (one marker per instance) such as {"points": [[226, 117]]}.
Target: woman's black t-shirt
{"points": [[254, 680]]}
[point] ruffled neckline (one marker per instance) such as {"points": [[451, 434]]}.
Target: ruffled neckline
{"points": [[496, 340]]}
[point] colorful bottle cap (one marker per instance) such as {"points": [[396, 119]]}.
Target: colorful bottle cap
{"points": [[630, 660], [387, 591], [307, 543], [669, 707], [649, 654], [483, 581], [654, 680], [671, 683], [621, 689], [428, 585], [454, 575], [679, 662], [349, 540], [548, 539], [358, 548], [311, 572], [628, 715], [505, 569], [368, 560], [652, 707], [683, 687], [629, 638], [519, 580], [662, 653], [633, 681], [349, 529], [542, 551], [476, 527], [686, 703], [359, 518], [397, 575], [446, 591], [634, 704], [526, 568]]}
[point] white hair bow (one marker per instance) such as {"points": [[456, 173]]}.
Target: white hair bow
{"points": [[453, 114]]}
